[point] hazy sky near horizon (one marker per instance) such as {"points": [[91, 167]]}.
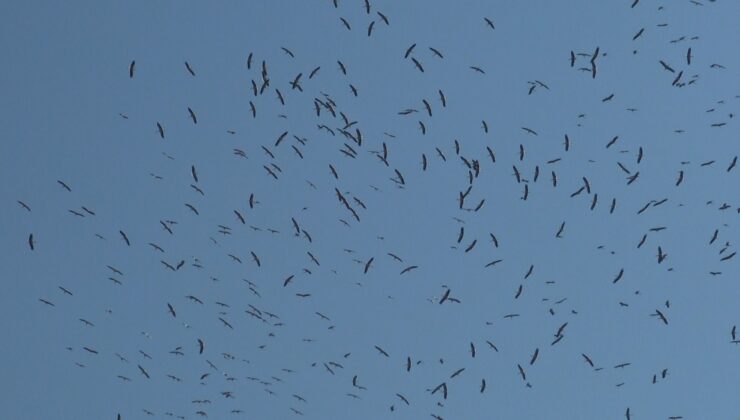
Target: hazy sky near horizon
{"points": [[657, 142]]}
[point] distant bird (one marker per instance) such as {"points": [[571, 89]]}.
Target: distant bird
{"points": [[409, 50], [534, 356], [384, 18], [190, 69], [661, 256], [619, 276], [124, 237], [666, 66], [588, 360], [436, 52], [64, 185], [409, 268], [521, 372], [367, 264], [192, 116], [381, 351], [144, 372]]}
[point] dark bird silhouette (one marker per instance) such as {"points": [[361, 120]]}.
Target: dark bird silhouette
{"points": [[666, 66], [436, 52], [367, 264], [661, 255], [409, 268], [534, 356], [384, 18], [409, 50], [521, 372], [588, 359], [64, 185], [619, 276], [445, 296], [124, 237], [661, 316], [144, 372], [381, 351], [190, 69]]}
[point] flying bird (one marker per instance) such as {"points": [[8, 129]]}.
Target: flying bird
{"points": [[189, 69]]}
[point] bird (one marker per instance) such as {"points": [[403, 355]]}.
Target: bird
{"points": [[661, 316], [666, 66], [381, 351], [409, 268], [64, 185], [661, 256], [417, 64], [367, 265], [171, 310], [409, 50], [189, 69], [588, 360], [144, 372], [534, 356], [46, 302], [436, 52], [192, 116]]}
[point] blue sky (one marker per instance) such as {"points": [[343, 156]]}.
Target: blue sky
{"points": [[66, 89]]}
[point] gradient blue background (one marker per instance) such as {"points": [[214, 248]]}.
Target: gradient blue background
{"points": [[65, 80]]}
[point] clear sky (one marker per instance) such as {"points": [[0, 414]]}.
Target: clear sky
{"points": [[71, 112]]}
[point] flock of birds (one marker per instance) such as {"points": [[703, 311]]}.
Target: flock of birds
{"points": [[345, 219]]}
